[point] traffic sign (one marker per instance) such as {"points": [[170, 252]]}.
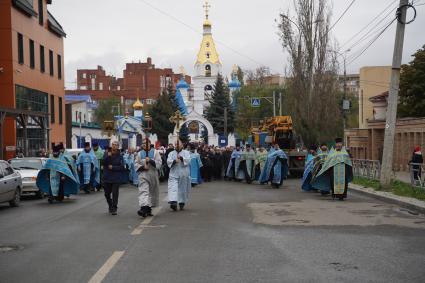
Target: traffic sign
{"points": [[255, 102]]}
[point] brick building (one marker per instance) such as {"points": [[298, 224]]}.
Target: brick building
{"points": [[31, 77], [141, 80]]}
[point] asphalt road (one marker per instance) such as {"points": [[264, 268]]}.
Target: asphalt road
{"points": [[230, 232]]}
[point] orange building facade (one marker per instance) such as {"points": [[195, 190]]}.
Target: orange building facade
{"points": [[31, 77]]}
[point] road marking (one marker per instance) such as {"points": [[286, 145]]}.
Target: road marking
{"points": [[107, 267], [145, 222]]}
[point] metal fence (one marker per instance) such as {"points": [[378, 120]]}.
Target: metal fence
{"points": [[370, 169], [417, 178]]}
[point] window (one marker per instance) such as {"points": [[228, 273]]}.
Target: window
{"points": [[208, 55], [40, 12], [20, 48], [60, 111], [31, 99], [83, 87], [208, 71], [100, 86], [42, 63], [93, 84], [84, 75], [208, 44], [59, 67], [32, 60], [52, 109], [52, 73]]}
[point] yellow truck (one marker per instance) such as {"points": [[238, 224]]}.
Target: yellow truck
{"points": [[280, 129]]}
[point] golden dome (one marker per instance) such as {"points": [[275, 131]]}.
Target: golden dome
{"points": [[138, 105], [207, 23]]}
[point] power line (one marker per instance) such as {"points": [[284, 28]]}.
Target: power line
{"points": [[198, 32], [375, 29], [371, 42], [340, 17], [368, 24]]}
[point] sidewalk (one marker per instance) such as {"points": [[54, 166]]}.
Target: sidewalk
{"points": [[403, 176], [409, 203]]}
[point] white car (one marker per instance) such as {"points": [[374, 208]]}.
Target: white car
{"points": [[29, 168], [10, 184]]}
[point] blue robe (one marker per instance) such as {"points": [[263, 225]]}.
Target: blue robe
{"points": [[276, 168], [87, 161], [233, 170], [48, 178], [336, 172], [309, 165], [65, 156], [195, 168], [130, 161]]}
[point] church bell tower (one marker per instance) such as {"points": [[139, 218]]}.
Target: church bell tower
{"points": [[207, 66]]}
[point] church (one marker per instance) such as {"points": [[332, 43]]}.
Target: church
{"points": [[195, 97]]}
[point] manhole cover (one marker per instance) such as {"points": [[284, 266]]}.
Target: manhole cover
{"points": [[9, 248]]}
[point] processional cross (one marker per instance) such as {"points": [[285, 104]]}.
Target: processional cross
{"points": [[177, 119]]}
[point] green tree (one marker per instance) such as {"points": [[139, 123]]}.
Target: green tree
{"points": [[184, 133], [161, 112], [105, 110], [220, 100], [412, 87], [312, 89], [247, 116]]}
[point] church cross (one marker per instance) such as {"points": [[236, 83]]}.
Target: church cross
{"points": [[177, 119], [207, 7]]}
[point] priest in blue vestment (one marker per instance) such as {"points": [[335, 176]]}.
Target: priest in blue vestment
{"points": [[234, 172], [276, 168], [195, 166], [336, 172], [308, 168], [87, 166], [56, 178]]}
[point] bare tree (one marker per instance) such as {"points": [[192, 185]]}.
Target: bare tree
{"points": [[313, 67]]}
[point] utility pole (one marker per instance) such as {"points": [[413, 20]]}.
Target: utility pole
{"points": [[280, 103], [345, 95], [387, 158], [225, 122], [274, 104]]}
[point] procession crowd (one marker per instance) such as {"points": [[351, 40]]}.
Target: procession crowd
{"points": [[185, 166]]}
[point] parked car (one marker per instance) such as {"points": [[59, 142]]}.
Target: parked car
{"points": [[10, 184], [29, 168]]}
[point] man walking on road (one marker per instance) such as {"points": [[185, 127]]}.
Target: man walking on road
{"points": [[179, 180], [114, 175]]}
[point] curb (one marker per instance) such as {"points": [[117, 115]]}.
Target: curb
{"points": [[406, 202]]}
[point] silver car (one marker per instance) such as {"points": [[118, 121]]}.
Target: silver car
{"points": [[10, 184], [28, 168]]}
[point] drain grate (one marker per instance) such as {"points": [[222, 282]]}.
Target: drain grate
{"points": [[9, 248]]}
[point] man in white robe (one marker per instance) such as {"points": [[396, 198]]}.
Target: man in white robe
{"points": [[179, 181], [148, 185]]}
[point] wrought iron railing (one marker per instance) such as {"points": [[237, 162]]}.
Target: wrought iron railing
{"points": [[370, 169], [417, 177]]}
